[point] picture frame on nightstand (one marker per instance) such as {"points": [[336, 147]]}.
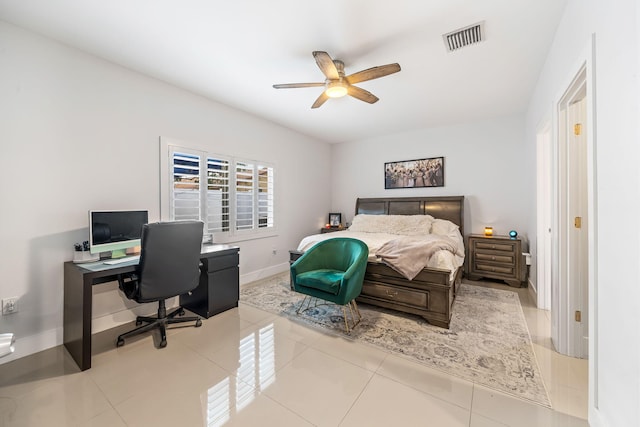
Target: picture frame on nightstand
{"points": [[335, 219]]}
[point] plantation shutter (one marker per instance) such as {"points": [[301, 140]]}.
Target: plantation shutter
{"points": [[244, 196], [218, 215], [265, 197], [185, 194], [234, 198]]}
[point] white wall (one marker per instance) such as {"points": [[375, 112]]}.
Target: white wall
{"points": [[79, 133], [483, 162], [614, 364]]}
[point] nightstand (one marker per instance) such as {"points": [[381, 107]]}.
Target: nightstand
{"points": [[324, 230], [496, 257]]}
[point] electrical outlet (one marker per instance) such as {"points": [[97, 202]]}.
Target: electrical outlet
{"points": [[10, 305], [274, 251]]}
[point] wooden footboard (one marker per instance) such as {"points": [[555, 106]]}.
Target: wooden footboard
{"points": [[430, 294]]}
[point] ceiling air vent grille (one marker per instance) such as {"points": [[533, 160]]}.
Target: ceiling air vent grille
{"points": [[464, 37]]}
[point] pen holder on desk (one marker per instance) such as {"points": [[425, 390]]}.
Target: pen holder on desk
{"points": [[84, 256]]}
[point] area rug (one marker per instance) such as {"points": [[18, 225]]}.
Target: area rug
{"points": [[488, 342]]}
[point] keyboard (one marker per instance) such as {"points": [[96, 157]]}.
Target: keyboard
{"points": [[122, 260]]}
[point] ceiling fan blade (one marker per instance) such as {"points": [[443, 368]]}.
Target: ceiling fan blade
{"points": [[296, 85], [321, 100], [362, 94], [326, 65], [373, 73]]}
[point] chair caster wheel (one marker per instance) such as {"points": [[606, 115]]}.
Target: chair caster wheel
{"points": [[198, 323], [163, 343], [120, 342]]}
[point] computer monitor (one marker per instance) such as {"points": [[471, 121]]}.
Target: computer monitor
{"points": [[115, 231]]}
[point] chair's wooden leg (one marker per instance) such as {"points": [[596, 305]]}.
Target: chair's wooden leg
{"points": [[344, 313], [306, 299], [301, 304], [353, 317], [352, 307], [355, 305]]}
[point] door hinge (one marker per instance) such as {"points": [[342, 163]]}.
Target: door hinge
{"points": [[577, 129], [577, 222], [578, 316]]}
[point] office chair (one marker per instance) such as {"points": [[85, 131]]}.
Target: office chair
{"points": [[169, 266], [332, 270]]}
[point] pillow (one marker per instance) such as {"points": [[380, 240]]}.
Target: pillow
{"points": [[443, 227], [407, 225]]}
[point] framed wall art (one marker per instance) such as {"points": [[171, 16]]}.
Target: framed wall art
{"points": [[414, 173], [335, 219]]}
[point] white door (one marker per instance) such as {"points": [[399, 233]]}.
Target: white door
{"points": [[577, 208], [570, 270]]}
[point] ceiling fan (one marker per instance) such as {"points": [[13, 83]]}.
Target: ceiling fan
{"points": [[337, 84]]}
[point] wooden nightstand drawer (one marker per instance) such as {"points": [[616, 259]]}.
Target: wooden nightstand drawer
{"points": [[505, 270], [508, 259], [506, 247]]}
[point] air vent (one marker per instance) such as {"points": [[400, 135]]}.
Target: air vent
{"points": [[464, 37]]}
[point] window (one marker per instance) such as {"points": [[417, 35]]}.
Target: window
{"points": [[233, 197]]}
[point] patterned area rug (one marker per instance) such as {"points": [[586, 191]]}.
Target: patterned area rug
{"points": [[488, 342]]}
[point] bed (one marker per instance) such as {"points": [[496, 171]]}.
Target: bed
{"points": [[431, 291]]}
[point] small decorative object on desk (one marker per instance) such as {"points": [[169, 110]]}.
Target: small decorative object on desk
{"points": [[83, 254], [335, 220], [488, 231], [513, 234]]}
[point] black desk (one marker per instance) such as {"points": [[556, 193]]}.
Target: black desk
{"points": [[217, 291]]}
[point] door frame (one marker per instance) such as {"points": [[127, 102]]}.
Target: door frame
{"points": [[560, 317]]}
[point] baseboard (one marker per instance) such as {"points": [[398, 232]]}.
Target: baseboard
{"points": [[34, 344], [263, 273]]}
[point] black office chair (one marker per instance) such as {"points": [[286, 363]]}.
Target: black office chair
{"points": [[169, 266]]}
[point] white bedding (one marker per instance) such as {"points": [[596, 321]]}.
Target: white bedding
{"points": [[442, 259]]}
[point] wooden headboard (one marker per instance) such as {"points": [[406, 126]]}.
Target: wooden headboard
{"points": [[447, 207]]}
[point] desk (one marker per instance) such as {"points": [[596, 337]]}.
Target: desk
{"points": [[78, 301]]}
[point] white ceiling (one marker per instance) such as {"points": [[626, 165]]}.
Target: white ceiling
{"points": [[234, 51]]}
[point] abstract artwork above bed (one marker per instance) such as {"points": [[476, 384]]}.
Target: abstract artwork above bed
{"points": [[414, 173]]}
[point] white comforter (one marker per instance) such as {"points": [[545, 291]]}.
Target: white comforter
{"points": [[447, 259]]}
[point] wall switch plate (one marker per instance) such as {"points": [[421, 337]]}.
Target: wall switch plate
{"points": [[10, 305]]}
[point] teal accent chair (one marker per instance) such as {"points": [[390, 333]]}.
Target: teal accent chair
{"points": [[332, 270]]}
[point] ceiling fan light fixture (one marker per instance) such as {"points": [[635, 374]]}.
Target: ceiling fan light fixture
{"points": [[336, 89], [337, 84]]}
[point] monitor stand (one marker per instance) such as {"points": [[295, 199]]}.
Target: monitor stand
{"points": [[118, 253]]}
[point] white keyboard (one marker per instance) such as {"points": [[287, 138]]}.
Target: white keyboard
{"points": [[122, 260]]}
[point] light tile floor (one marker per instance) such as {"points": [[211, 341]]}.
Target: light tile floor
{"points": [[247, 367]]}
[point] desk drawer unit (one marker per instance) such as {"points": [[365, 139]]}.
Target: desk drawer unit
{"points": [[218, 290], [496, 257]]}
